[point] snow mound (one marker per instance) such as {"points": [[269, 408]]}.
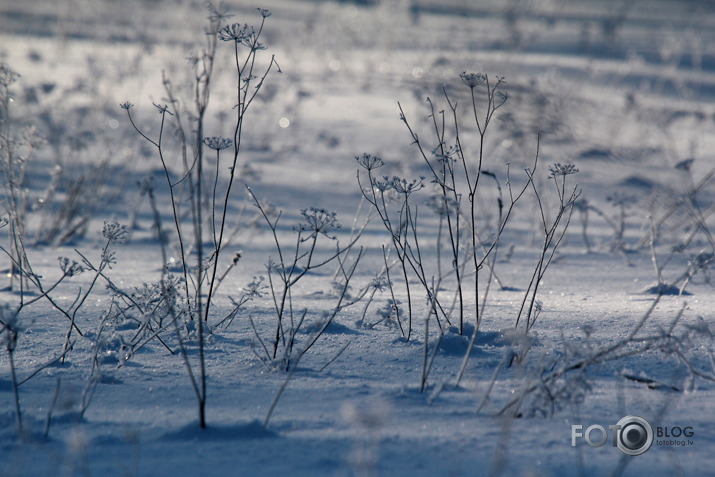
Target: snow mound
{"points": [[242, 431]]}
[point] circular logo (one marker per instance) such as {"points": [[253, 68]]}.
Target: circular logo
{"points": [[634, 436]]}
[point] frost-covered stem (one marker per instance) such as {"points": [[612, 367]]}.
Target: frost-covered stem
{"points": [[493, 255], [425, 353], [690, 197], [503, 221], [407, 254], [414, 257], [10, 347], [409, 299], [44, 366], [427, 359], [202, 94], [441, 180], [279, 312], [199, 389], [175, 212], [294, 364], [43, 293], [13, 186], [290, 272], [654, 256], [550, 245], [199, 281], [472, 203], [472, 212], [213, 202], [453, 229], [279, 304], [18, 250], [185, 358], [400, 249], [159, 230], [611, 353], [482, 127], [392, 291], [50, 410], [83, 298], [583, 215], [243, 102]]}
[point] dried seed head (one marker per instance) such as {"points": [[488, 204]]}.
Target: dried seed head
{"points": [[70, 267], [369, 162], [404, 187], [473, 79], [235, 32], [217, 143], [7, 76], [320, 221], [264, 13], [559, 169], [383, 185], [115, 232], [163, 108]]}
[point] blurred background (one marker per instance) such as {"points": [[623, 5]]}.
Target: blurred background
{"points": [[623, 88]]}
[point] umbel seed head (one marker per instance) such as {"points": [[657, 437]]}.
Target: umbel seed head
{"points": [[217, 143], [473, 79], [369, 162]]}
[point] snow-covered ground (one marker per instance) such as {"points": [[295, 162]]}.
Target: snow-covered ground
{"points": [[624, 90]]}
